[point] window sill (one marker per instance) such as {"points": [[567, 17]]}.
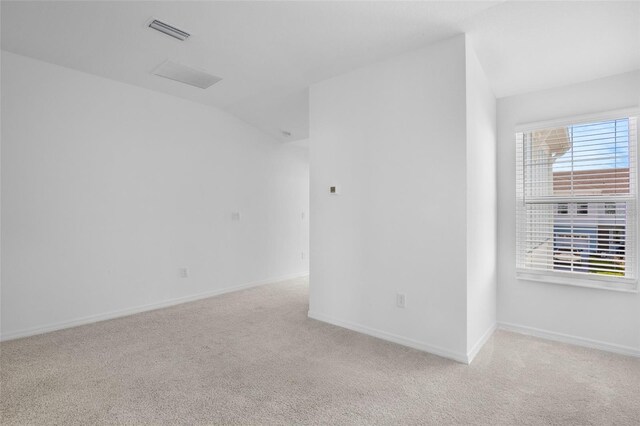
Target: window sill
{"points": [[624, 285]]}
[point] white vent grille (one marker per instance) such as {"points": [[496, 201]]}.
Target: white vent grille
{"points": [[169, 30]]}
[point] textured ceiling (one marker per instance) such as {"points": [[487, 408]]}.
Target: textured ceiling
{"points": [[268, 53]]}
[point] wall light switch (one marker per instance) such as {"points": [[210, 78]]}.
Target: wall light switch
{"points": [[184, 273], [235, 216], [334, 190], [401, 300]]}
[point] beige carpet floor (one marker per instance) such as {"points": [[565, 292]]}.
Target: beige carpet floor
{"points": [[253, 357]]}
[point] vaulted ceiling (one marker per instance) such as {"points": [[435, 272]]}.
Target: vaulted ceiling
{"points": [[268, 53]]}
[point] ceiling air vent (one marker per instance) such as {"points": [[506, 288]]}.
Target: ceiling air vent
{"points": [[185, 74], [169, 30]]}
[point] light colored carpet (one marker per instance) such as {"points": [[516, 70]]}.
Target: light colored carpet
{"points": [[253, 357]]}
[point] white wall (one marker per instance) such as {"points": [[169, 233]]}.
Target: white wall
{"points": [[108, 189], [481, 205], [393, 136], [301, 147], [600, 318]]}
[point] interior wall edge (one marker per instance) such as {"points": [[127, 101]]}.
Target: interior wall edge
{"points": [[391, 337], [475, 349], [569, 339], [175, 98], [92, 319]]}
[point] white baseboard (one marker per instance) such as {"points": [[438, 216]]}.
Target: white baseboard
{"points": [[480, 343], [445, 353], [32, 331], [573, 340]]}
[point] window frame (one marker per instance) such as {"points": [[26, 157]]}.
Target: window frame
{"points": [[594, 281], [608, 209], [563, 208]]}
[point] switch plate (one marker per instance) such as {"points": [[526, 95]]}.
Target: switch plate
{"points": [[334, 190], [235, 216], [184, 272], [401, 300]]}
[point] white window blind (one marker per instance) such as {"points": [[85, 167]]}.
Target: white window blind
{"points": [[576, 201]]}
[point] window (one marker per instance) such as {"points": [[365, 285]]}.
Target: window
{"points": [[576, 202], [610, 208]]}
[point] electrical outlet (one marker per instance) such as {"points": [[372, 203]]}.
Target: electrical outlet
{"points": [[235, 216], [184, 273], [401, 300]]}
